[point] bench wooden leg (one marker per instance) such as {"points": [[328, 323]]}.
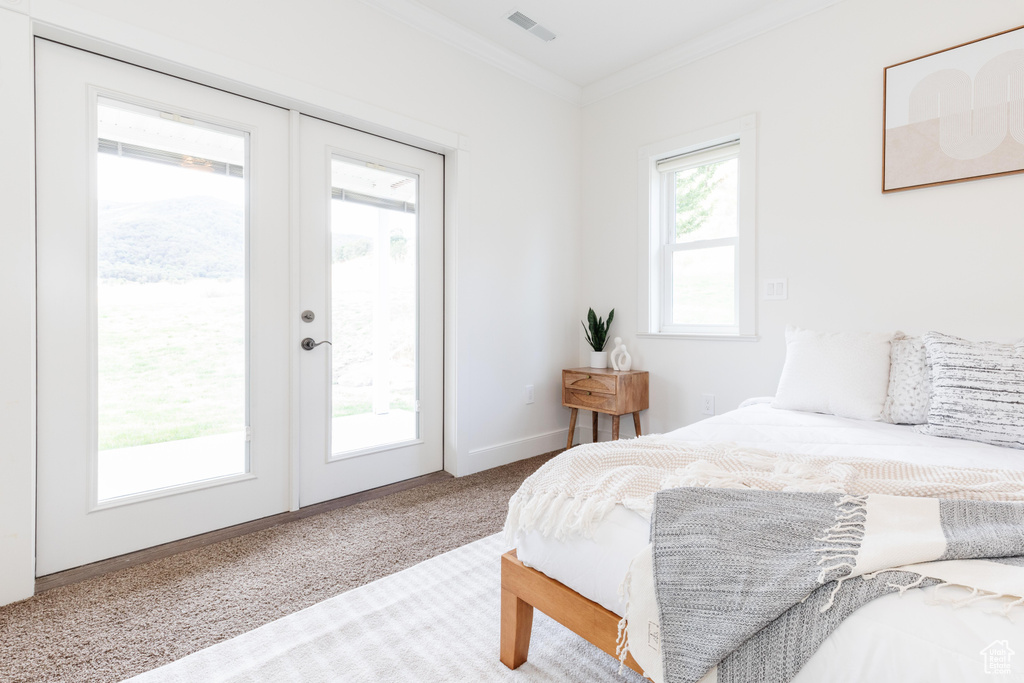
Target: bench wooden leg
{"points": [[572, 427], [595, 425], [516, 626], [615, 427], [636, 422]]}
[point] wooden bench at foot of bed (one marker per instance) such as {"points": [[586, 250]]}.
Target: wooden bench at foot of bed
{"points": [[523, 589]]}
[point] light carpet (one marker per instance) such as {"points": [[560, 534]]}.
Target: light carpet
{"points": [[115, 626], [436, 621]]}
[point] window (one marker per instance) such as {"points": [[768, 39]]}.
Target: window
{"points": [[698, 218]]}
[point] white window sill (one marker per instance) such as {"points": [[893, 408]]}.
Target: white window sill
{"points": [[705, 337]]}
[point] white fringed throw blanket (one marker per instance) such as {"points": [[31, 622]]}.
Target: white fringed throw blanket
{"points": [[576, 490]]}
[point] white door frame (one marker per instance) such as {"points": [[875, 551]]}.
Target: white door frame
{"points": [[18, 310], [92, 32]]}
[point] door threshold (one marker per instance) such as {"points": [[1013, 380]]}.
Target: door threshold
{"points": [[89, 571]]}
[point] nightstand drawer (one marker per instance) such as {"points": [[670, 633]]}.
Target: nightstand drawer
{"points": [[598, 384], [589, 400]]}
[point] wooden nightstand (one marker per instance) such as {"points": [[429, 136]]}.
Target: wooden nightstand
{"points": [[604, 391]]}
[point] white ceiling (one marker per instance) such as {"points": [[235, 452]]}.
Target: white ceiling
{"points": [[602, 46], [595, 38]]}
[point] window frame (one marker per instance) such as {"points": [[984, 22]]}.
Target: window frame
{"points": [[657, 238]]}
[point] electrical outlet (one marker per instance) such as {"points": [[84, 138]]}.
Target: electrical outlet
{"points": [[528, 393], [708, 401]]}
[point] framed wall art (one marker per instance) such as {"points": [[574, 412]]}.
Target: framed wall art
{"points": [[956, 114]]}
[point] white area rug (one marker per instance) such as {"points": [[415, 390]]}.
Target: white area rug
{"points": [[437, 621]]}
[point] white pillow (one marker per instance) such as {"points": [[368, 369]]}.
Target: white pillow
{"points": [[839, 373], [910, 383]]}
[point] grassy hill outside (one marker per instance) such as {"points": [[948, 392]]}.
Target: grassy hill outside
{"points": [[173, 240]]}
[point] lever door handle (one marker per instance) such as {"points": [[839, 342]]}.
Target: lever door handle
{"points": [[309, 344]]}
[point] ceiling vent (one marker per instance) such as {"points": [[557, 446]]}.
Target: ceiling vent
{"points": [[530, 26]]}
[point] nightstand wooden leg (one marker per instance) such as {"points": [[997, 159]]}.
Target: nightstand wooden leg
{"points": [[572, 427], [615, 427], [595, 426], [636, 422]]}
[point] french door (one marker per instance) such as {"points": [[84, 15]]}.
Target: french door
{"points": [[371, 285], [163, 308], [166, 332]]}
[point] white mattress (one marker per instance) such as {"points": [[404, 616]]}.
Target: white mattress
{"points": [[890, 639]]}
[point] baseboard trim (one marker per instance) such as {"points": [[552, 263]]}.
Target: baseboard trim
{"points": [[69, 576], [586, 435], [512, 451]]}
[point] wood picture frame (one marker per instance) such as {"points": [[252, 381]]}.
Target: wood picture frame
{"points": [[955, 115]]}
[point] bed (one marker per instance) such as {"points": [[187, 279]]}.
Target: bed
{"points": [[576, 580]]}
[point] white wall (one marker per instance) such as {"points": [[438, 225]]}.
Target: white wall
{"points": [[518, 209], [945, 258]]}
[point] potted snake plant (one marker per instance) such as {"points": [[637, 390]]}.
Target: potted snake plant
{"points": [[596, 330]]}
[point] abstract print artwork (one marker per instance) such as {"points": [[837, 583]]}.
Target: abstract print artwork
{"points": [[956, 115]]}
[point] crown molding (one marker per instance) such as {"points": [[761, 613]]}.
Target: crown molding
{"points": [[733, 33], [455, 34]]}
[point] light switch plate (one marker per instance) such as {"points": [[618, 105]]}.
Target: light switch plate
{"points": [[775, 290]]}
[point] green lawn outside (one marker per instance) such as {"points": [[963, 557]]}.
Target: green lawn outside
{"points": [[171, 360], [172, 355]]}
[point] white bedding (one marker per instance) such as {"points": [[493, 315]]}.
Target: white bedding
{"points": [[891, 639]]}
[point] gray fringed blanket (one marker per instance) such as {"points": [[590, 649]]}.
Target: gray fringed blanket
{"points": [[753, 581]]}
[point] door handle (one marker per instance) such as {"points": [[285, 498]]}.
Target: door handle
{"points": [[309, 344]]}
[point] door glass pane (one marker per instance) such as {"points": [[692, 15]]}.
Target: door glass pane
{"points": [[704, 286], [171, 300], [374, 299]]}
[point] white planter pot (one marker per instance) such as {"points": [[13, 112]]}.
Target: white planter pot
{"points": [[598, 359]]}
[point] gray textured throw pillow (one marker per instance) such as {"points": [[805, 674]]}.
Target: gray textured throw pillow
{"points": [[977, 390], [910, 383]]}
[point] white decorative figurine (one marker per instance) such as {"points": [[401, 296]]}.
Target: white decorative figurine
{"points": [[620, 358]]}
